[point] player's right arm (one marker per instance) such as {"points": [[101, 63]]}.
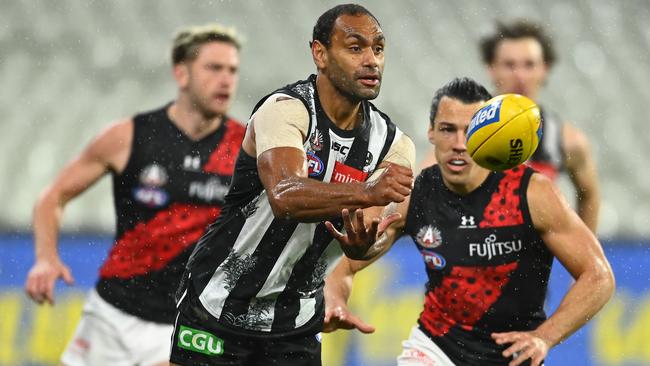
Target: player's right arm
{"points": [[275, 135], [108, 151]]}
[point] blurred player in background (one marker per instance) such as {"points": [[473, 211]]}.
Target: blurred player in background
{"points": [[254, 292], [171, 168], [488, 240], [519, 56]]}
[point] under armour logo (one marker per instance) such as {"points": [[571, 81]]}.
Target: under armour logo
{"points": [[467, 222], [192, 162]]}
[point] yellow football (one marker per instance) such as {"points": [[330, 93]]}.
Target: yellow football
{"points": [[504, 132]]}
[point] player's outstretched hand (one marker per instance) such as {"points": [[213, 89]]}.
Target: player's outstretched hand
{"points": [[358, 238], [523, 346], [340, 317], [42, 278], [394, 184]]}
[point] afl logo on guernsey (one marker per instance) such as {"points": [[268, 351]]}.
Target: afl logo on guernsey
{"points": [[315, 165], [149, 193], [429, 237], [433, 260]]}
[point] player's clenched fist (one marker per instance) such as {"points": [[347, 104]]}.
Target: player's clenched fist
{"points": [[394, 184]]}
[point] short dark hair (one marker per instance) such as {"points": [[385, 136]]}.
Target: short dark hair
{"points": [[517, 29], [188, 40], [325, 23], [465, 90]]}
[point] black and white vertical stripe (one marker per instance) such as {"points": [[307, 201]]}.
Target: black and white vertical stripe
{"points": [[269, 274]]}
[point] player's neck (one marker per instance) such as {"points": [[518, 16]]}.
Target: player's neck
{"points": [[191, 121], [345, 113], [469, 185]]}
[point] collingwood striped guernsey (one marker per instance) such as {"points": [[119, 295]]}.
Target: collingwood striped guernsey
{"points": [[255, 274]]}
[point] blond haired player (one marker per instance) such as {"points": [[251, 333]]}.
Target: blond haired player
{"points": [[487, 240], [170, 169]]}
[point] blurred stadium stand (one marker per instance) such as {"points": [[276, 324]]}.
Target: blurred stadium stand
{"points": [[68, 68]]}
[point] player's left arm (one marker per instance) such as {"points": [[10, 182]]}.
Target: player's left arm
{"points": [[369, 234], [338, 285], [576, 247], [581, 167]]}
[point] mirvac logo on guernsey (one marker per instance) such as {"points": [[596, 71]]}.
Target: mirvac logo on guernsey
{"points": [[346, 174], [199, 341], [492, 248]]}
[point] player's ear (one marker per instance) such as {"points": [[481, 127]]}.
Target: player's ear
{"points": [[319, 54], [181, 74]]}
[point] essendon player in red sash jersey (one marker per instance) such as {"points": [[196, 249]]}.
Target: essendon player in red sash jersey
{"points": [[487, 240], [481, 254], [171, 169], [171, 189]]}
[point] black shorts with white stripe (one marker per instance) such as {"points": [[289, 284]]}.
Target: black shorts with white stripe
{"points": [[199, 341]]}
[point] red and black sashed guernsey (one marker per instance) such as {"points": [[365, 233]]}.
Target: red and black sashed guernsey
{"points": [[487, 266], [171, 189]]}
